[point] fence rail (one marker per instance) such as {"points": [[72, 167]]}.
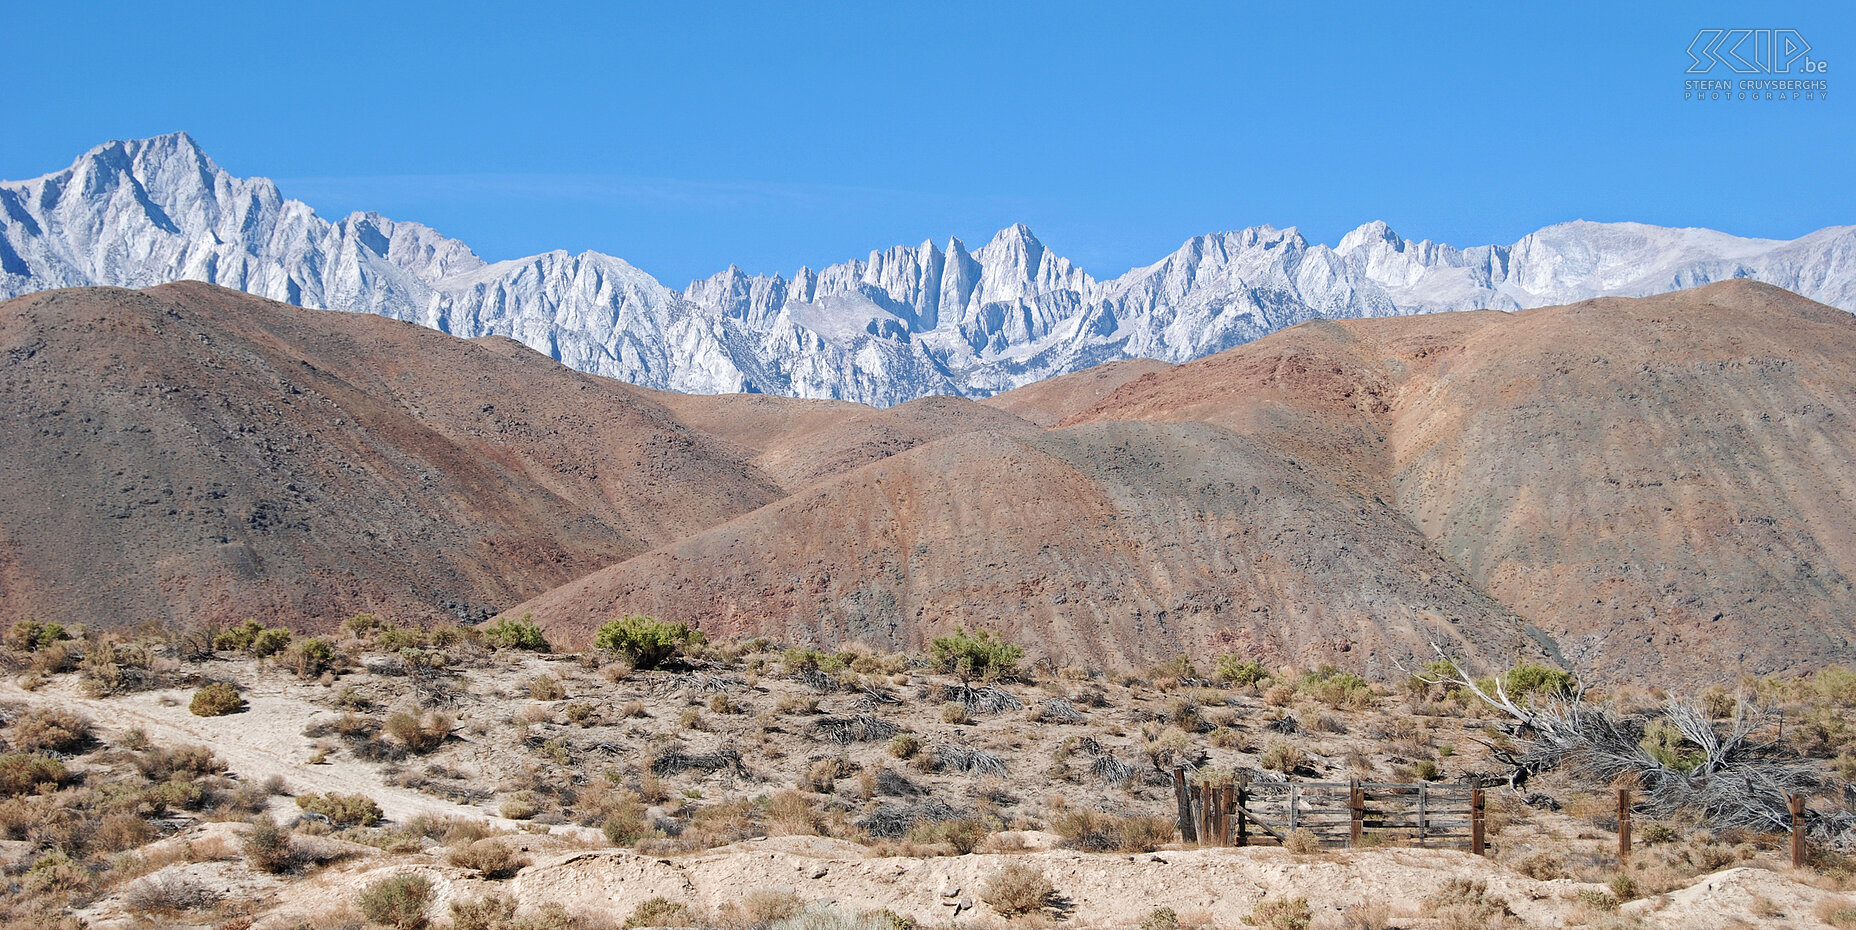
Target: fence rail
{"points": [[1350, 813]]}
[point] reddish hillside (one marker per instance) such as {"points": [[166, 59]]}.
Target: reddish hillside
{"points": [[190, 452], [1644, 479], [1639, 479]]}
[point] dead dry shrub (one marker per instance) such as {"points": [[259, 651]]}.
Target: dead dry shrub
{"points": [[398, 901], [1017, 889], [117, 832], [823, 775], [268, 847], [342, 810], [1283, 757], [1363, 917], [50, 729], [1302, 842], [519, 806], [964, 834], [764, 906], [791, 813], [490, 857], [1099, 832], [490, 912], [1280, 914], [420, 734], [660, 912], [1543, 865], [170, 896], [159, 764], [546, 688]]}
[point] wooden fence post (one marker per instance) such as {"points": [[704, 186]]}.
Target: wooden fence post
{"points": [[1205, 813], [1623, 825], [1243, 796], [1796, 803], [1293, 813], [1475, 821], [1424, 817], [1356, 804], [1227, 798], [1186, 833]]}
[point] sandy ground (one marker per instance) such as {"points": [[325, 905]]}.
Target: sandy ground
{"points": [[263, 740], [1219, 886]]}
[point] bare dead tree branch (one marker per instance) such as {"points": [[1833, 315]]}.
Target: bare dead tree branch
{"points": [[1736, 779]]}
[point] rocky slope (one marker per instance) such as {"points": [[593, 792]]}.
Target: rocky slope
{"points": [[193, 453], [901, 324], [1615, 482]]}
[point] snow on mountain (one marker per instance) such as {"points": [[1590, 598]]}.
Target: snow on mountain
{"points": [[903, 323]]}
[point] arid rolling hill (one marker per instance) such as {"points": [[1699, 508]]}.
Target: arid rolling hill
{"points": [[1654, 482], [190, 452], [1657, 485], [1618, 483]]}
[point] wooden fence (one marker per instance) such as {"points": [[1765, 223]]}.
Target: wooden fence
{"points": [[1247, 813]]}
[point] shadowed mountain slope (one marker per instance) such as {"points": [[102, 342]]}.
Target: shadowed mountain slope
{"points": [[193, 452]]}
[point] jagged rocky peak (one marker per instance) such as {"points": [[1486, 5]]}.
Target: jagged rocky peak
{"points": [[905, 322], [1375, 233]]}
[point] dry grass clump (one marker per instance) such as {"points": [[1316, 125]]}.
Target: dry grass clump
{"points": [[546, 688], [791, 813], [490, 857], [170, 896], [1283, 757], [519, 806], [1098, 832], [661, 912], [496, 912], [904, 745], [1838, 911], [964, 834], [1544, 865], [1280, 914], [1361, 917], [823, 775], [760, 908], [1302, 842], [1465, 904], [1017, 889]]}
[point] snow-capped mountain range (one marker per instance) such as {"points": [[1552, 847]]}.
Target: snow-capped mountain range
{"points": [[904, 323]]}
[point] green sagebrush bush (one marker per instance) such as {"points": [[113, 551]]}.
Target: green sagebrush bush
{"points": [[647, 643]]}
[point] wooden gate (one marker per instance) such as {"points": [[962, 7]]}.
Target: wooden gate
{"points": [[1351, 813]]}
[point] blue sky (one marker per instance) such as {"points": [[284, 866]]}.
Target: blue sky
{"points": [[686, 136]]}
